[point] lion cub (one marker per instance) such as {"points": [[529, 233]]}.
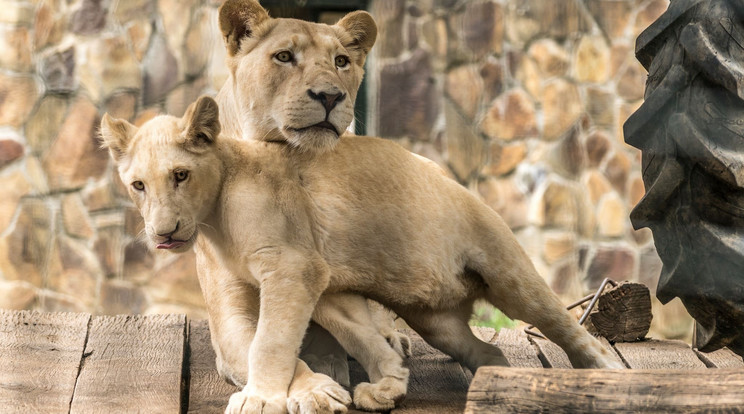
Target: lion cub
{"points": [[282, 237]]}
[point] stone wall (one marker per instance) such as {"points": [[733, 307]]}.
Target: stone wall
{"points": [[522, 101]]}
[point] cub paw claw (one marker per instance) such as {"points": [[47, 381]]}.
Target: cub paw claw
{"points": [[324, 397], [380, 396], [245, 403]]}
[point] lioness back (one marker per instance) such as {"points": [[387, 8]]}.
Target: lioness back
{"points": [[397, 228]]}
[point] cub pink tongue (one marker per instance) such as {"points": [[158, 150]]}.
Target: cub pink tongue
{"points": [[171, 244]]}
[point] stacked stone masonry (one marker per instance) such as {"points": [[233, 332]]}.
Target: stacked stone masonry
{"points": [[522, 101]]}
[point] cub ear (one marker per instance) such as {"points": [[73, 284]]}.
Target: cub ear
{"points": [[115, 135], [202, 122], [238, 19], [362, 31]]}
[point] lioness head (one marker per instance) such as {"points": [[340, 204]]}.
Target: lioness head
{"points": [[171, 169], [292, 80]]}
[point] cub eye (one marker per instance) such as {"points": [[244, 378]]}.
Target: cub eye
{"points": [[138, 185], [342, 61], [284, 56], [180, 175]]}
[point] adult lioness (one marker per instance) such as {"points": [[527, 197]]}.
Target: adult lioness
{"points": [[280, 231], [296, 82]]}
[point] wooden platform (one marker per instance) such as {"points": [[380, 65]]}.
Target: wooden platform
{"points": [[63, 362]]}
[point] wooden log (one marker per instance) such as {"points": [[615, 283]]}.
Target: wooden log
{"points": [[508, 390], [208, 392], [655, 354], [132, 363], [622, 313], [40, 357]]}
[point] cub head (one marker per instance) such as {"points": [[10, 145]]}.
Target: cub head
{"points": [[171, 168], [292, 80]]}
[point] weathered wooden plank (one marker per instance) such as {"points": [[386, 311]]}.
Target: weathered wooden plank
{"points": [[553, 356], [40, 356], [517, 349], [483, 333], [208, 392], [131, 363], [502, 390], [722, 358], [437, 383], [655, 354]]}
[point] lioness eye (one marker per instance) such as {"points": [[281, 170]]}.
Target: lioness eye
{"points": [[138, 185], [342, 61], [284, 56], [181, 175]]}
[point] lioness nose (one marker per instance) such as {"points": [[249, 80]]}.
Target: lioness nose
{"points": [[329, 100]]}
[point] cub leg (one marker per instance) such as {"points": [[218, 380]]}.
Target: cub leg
{"points": [[448, 331], [349, 319], [384, 319], [233, 307], [515, 287]]}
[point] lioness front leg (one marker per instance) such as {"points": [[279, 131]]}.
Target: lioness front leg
{"points": [[349, 319], [290, 284]]}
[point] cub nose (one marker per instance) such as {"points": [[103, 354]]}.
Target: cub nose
{"points": [[328, 100], [167, 234]]}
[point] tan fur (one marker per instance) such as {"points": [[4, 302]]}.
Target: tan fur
{"points": [[292, 234], [269, 100]]}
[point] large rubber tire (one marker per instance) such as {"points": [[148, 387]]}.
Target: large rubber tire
{"points": [[690, 130]]}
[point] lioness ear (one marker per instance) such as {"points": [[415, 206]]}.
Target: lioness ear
{"points": [[115, 135], [202, 122], [238, 19], [362, 31]]}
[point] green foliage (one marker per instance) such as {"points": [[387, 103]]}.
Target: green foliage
{"points": [[486, 315]]}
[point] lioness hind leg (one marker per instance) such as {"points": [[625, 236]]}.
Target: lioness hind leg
{"points": [[449, 332], [515, 287], [348, 318]]}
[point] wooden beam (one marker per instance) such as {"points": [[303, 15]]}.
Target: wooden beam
{"points": [[208, 392], [132, 363], [722, 358], [40, 357], [655, 354], [517, 348], [502, 390], [553, 356]]}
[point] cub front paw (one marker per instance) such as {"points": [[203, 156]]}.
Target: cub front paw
{"points": [[400, 343], [245, 403], [380, 396], [318, 395]]}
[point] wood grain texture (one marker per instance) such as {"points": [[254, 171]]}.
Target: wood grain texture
{"points": [[505, 390], [622, 313], [551, 355], [655, 354], [437, 383], [40, 356], [722, 358], [208, 392], [132, 363], [517, 348]]}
